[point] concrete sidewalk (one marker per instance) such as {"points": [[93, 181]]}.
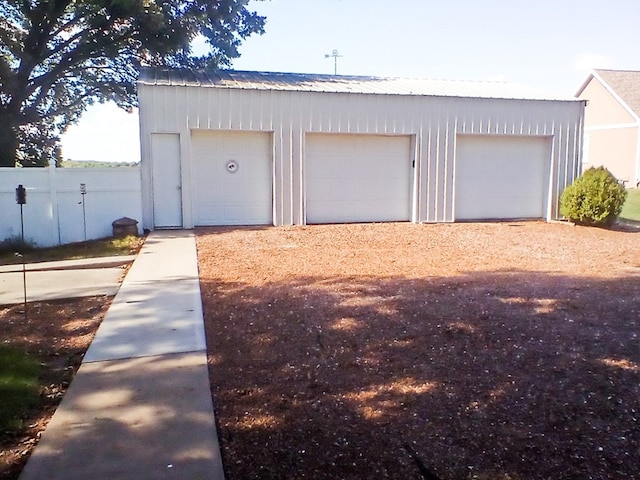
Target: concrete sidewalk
{"points": [[77, 264], [62, 279], [140, 405]]}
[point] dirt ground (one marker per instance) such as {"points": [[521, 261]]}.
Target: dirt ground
{"points": [[450, 351], [58, 333]]}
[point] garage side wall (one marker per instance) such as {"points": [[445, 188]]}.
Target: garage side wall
{"points": [[433, 122]]}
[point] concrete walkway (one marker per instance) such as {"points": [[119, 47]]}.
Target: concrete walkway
{"points": [[62, 279], [140, 405]]}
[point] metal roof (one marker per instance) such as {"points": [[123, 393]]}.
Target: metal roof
{"points": [[304, 82]]}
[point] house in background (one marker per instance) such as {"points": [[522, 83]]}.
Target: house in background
{"points": [[612, 123], [257, 148]]}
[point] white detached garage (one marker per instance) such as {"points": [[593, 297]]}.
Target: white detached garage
{"points": [[251, 148]]}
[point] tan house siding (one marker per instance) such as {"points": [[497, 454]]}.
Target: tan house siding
{"points": [[615, 149], [612, 127], [603, 108]]}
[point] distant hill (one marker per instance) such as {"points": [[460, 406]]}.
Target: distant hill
{"points": [[95, 164]]}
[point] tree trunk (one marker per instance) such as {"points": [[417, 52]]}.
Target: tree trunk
{"points": [[8, 141]]}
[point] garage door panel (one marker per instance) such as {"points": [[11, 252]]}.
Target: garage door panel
{"points": [[228, 196], [501, 176], [357, 178], [336, 214]]}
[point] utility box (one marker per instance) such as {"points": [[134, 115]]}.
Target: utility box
{"points": [[124, 226]]}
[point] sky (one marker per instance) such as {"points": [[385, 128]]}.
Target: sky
{"points": [[551, 45]]}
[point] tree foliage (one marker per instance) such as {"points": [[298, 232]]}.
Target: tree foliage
{"points": [[595, 198], [57, 57]]}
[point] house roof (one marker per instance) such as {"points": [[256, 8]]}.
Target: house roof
{"points": [[304, 82], [625, 84]]}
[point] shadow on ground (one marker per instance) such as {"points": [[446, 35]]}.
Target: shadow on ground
{"points": [[112, 417], [501, 375]]}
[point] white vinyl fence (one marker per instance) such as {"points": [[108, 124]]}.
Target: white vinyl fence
{"points": [[57, 213]]}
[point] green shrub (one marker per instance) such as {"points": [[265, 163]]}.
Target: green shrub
{"points": [[595, 198]]}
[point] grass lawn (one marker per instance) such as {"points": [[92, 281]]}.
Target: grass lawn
{"points": [[631, 208], [94, 248], [18, 386]]}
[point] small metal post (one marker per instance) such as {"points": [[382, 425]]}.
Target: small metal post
{"points": [[83, 192], [21, 199]]}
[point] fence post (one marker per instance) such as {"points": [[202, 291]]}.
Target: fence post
{"points": [[53, 197]]}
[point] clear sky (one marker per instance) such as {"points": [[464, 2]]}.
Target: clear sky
{"points": [[548, 44]]}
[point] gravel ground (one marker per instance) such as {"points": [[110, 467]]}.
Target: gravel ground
{"points": [[448, 351]]}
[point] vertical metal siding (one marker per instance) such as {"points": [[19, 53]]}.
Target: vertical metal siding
{"points": [[434, 121], [278, 177], [297, 141], [448, 195], [415, 178]]}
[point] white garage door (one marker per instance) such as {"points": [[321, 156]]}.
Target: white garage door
{"points": [[232, 177], [357, 178], [501, 177]]}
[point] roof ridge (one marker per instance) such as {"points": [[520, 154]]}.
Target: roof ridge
{"points": [[356, 84], [324, 75], [615, 70]]}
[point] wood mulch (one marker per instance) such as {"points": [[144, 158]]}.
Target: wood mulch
{"points": [[450, 351], [58, 333]]}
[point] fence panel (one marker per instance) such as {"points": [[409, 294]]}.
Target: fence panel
{"points": [[54, 212]]}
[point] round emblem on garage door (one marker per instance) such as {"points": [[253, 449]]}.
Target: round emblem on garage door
{"points": [[232, 166]]}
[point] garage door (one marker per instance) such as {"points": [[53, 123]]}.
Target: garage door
{"points": [[232, 178], [357, 178], [501, 177]]}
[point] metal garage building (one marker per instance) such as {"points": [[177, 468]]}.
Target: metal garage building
{"points": [[252, 148]]}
